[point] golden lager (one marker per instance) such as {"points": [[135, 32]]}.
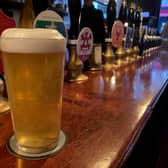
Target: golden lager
{"points": [[34, 68]]}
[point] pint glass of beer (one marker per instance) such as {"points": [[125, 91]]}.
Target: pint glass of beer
{"points": [[34, 69]]}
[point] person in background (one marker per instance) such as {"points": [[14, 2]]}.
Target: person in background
{"points": [[93, 18], [74, 11], [39, 6], [59, 8]]}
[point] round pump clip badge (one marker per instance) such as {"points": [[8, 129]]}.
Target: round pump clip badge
{"points": [[117, 33], [50, 19], [85, 44]]}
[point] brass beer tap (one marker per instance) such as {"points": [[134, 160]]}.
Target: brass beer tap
{"points": [[108, 55], [74, 65]]}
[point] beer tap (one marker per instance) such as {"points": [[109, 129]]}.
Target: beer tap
{"points": [[136, 38], [120, 52], [108, 55], [74, 65], [130, 27]]}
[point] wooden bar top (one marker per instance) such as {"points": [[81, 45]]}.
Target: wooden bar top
{"points": [[102, 117]]}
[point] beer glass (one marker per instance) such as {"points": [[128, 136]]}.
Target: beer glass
{"points": [[34, 68]]}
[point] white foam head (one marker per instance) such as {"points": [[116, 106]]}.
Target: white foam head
{"points": [[19, 40]]}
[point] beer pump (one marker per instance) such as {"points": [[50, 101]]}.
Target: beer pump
{"points": [[120, 52], [137, 33], [108, 54], [130, 32], [74, 65]]}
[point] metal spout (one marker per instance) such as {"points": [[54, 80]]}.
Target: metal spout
{"points": [[120, 54], [108, 56], [136, 52], [129, 53], [74, 65]]}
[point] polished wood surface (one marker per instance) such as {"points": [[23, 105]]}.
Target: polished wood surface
{"points": [[102, 117]]}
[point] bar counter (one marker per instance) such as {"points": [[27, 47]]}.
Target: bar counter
{"points": [[102, 117]]}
